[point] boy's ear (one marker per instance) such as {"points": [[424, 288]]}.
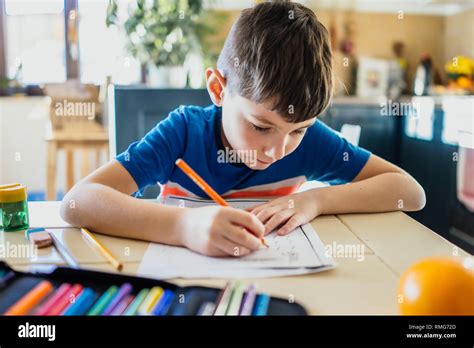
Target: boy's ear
{"points": [[215, 84]]}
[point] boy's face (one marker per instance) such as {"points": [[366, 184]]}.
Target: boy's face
{"points": [[260, 136]]}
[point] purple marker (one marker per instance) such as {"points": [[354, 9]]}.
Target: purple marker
{"points": [[122, 305], [124, 290], [248, 301]]}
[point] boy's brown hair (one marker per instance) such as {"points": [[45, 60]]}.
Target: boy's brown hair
{"points": [[279, 52]]}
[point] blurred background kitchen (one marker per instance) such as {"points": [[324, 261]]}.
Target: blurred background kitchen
{"points": [[82, 79]]}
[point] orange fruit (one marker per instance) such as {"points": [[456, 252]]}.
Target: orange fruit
{"points": [[437, 286]]}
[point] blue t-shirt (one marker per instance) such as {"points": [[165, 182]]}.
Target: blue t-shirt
{"points": [[194, 134]]}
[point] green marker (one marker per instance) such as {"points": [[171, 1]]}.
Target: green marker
{"points": [[103, 301], [133, 307], [235, 300]]}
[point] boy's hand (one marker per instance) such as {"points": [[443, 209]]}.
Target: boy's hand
{"points": [[219, 231], [288, 212]]}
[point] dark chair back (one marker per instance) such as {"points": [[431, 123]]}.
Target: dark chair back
{"points": [[134, 110]]}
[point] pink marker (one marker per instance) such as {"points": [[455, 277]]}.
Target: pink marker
{"points": [[58, 294]]}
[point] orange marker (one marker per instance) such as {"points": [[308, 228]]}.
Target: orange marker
{"points": [[31, 299], [205, 186]]}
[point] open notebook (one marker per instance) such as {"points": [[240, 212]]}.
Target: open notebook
{"points": [[301, 251]]}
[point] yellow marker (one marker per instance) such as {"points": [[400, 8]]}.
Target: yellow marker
{"points": [[150, 301]]}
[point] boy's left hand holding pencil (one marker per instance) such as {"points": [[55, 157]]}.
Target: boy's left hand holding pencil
{"points": [[222, 231]]}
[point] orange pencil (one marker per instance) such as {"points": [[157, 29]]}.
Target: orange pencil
{"points": [[205, 186], [31, 299]]}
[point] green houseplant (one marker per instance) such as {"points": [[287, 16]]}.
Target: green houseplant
{"points": [[163, 34]]}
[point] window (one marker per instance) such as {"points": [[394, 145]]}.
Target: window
{"points": [[35, 41], [101, 49]]}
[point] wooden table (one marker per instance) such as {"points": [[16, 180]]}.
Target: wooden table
{"points": [[366, 284]]}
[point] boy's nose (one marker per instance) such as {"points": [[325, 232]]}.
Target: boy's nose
{"points": [[276, 153]]}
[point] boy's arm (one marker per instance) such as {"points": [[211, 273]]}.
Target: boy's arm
{"points": [[379, 187], [107, 190], [102, 202]]}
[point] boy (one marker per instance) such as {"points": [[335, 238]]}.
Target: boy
{"points": [[273, 80]]}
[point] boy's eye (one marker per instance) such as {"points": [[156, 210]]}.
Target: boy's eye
{"points": [[300, 131], [260, 129]]}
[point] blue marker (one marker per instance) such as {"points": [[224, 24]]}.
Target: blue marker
{"points": [[164, 303], [261, 305], [82, 304]]}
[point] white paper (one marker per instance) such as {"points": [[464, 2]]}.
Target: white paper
{"points": [[46, 215], [300, 251]]}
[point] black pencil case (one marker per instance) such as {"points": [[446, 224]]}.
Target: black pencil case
{"points": [[187, 303]]}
